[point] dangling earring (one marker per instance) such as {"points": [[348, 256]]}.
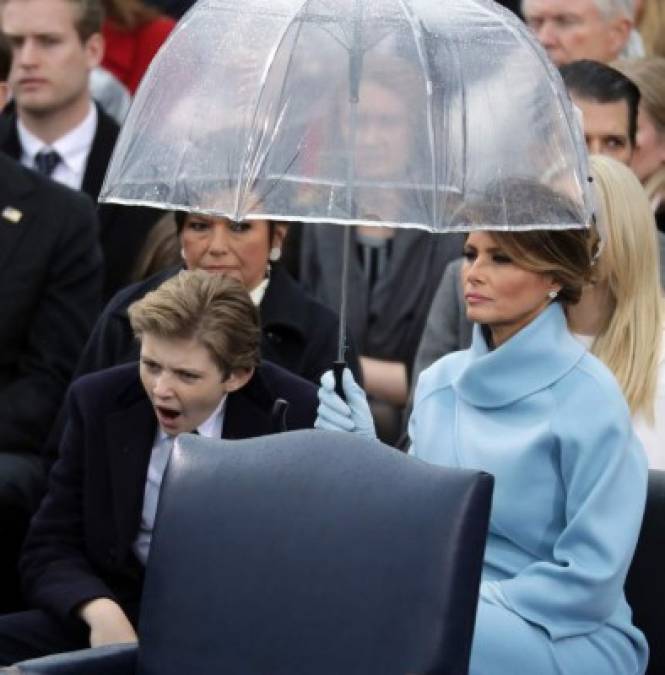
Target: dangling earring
{"points": [[182, 253], [275, 254], [552, 294]]}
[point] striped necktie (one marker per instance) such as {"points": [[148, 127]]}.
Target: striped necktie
{"points": [[46, 161]]}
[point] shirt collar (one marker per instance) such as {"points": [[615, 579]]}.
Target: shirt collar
{"points": [[211, 427], [257, 293], [73, 147], [531, 360]]}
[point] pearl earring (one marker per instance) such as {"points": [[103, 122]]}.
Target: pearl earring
{"points": [[275, 254], [552, 294]]}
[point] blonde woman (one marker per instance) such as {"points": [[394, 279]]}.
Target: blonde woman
{"points": [[620, 317], [648, 160]]}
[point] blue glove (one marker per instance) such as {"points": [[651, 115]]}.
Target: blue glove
{"points": [[334, 414]]}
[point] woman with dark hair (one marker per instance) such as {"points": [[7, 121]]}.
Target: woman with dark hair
{"points": [[297, 332], [529, 404]]}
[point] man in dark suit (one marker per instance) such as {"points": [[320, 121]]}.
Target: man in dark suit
{"points": [[53, 125], [50, 293], [82, 565]]}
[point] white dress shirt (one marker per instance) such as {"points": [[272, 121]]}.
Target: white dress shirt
{"points": [[257, 293], [161, 451], [73, 148]]}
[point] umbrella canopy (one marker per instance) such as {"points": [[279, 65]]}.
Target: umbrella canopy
{"points": [[408, 113]]}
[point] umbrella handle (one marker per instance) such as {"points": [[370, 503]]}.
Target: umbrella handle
{"points": [[338, 369]]}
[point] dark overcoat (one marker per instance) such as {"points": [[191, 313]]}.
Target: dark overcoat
{"points": [[79, 546]]}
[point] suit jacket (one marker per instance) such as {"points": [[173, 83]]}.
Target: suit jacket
{"points": [[50, 288], [123, 229], [79, 546], [387, 321], [447, 328]]}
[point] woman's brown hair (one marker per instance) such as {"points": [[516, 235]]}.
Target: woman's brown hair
{"points": [[129, 14], [565, 253]]}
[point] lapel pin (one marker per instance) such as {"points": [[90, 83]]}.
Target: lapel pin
{"points": [[12, 215]]}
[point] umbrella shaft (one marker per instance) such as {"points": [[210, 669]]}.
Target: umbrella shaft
{"points": [[341, 344]]}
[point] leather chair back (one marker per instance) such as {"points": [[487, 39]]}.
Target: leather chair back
{"points": [[645, 585], [312, 552]]}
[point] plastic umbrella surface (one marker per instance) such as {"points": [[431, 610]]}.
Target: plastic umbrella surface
{"points": [[408, 113]]}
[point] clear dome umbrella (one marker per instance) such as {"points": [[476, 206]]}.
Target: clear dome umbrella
{"points": [[401, 113]]}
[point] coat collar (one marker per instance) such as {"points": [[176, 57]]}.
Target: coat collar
{"points": [[531, 360], [249, 410], [9, 141], [99, 156], [130, 434], [282, 305]]}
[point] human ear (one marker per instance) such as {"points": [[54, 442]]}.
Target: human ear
{"points": [[278, 235], [238, 379], [552, 284], [94, 49], [618, 34]]}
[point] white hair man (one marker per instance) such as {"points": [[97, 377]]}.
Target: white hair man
{"points": [[570, 30]]}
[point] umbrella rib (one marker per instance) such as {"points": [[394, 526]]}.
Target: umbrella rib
{"points": [[418, 29], [262, 83], [517, 28]]}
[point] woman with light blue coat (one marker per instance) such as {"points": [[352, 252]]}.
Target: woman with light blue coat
{"points": [[529, 404]]}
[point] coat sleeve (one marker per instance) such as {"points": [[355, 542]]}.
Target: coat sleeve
{"points": [[110, 343], [604, 472], [63, 315], [56, 572]]}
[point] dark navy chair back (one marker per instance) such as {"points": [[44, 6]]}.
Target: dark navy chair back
{"points": [[645, 586], [311, 553]]}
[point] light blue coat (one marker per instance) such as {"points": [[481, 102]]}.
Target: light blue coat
{"points": [[549, 421]]}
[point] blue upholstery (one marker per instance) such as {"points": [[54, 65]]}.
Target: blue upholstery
{"points": [[645, 586], [312, 553], [110, 660]]}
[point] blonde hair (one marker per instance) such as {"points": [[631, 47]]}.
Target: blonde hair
{"points": [[630, 342], [651, 25], [160, 250], [214, 309], [649, 76]]}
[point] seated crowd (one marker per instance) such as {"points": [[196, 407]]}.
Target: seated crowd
{"points": [[149, 324]]}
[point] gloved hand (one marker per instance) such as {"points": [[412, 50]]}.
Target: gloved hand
{"points": [[334, 414]]}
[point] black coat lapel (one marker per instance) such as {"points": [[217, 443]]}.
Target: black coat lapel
{"points": [[249, 410], [130, 434], [99, 156], [16, 214], [9, 140]]}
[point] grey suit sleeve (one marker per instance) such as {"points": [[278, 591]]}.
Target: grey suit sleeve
{"points": [[444, 331]]}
